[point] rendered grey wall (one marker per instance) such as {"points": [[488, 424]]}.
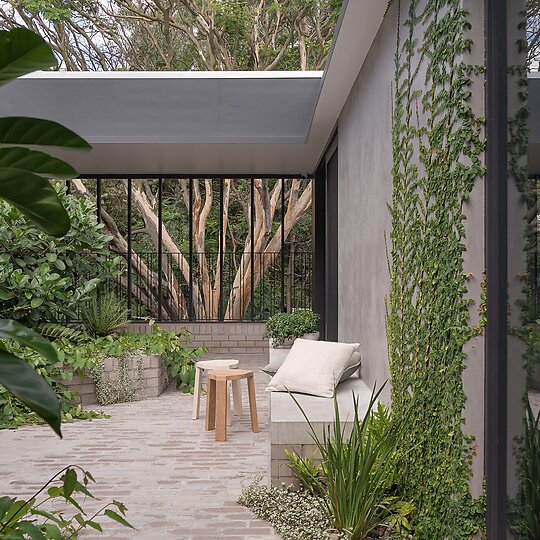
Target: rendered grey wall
{"points": [[474, 266], [365, 188]]}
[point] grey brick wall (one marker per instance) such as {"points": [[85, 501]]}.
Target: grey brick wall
{"points": [[240, 340], [153, 378]]}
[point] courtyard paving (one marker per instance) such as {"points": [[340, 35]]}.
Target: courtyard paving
{"points": [[176, 481]]}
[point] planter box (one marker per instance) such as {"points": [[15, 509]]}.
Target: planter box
{"points": [[289, 429], [151, 369]]}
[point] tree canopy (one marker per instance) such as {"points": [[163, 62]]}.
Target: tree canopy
{"points": [[181, 34]]}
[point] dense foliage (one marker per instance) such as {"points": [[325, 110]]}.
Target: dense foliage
{"points": [[181, 35], [81, 355], [282, 327], [438, 149], [359, 476], [24, 184], [47, 279], [104, 314]]}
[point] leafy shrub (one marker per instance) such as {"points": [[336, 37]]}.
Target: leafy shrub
{"points": [[282, 327], [60, 331], [13, 413], [173, 347], [104, 314], [308, 472], [32, 518], [80, 355], [44, 278], [294, 515], [359, 471]]}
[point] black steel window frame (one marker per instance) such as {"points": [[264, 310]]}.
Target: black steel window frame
{"points": [[496, 358], [192, 315]]}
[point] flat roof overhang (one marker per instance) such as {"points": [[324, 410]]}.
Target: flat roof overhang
{"points": [[202, 123]]}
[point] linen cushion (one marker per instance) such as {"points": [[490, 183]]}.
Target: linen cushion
{"points": [[313, 367], [352, 366]]}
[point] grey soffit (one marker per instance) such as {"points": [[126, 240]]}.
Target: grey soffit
{"points": [[203, 122], [533, 158], [164, 108]]}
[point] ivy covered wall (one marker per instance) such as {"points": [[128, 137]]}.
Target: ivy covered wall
{"points": [[438, 145], [373, 176]]}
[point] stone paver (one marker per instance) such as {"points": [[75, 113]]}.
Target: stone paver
{"points": [[176, 481]]}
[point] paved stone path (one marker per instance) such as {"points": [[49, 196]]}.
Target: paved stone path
{"points": [[176, 481]]}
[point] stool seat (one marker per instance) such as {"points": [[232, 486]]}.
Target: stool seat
{"points": [[207, 365], [217, 400], [216, 364], [229, 375]]}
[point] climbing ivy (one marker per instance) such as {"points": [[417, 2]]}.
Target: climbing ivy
{"points": [[438, 147]]}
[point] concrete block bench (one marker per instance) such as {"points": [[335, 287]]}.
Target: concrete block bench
{"points": [[289, 429]]}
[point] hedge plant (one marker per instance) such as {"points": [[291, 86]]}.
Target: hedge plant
{"points": [[47, 279]]}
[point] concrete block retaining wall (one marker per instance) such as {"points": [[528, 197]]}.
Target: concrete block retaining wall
{"points": [[152, 373], [289, 430]]}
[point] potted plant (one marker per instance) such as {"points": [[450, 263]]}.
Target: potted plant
{"points": [[283, 328]]}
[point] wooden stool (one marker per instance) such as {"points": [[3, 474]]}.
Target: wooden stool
{"points": [[216, 400], [208, 365]]}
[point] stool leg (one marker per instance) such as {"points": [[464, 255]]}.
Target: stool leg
{"points": [[229, 403], [252, 405], [210, 405], [197, 394], [237, 397], [221, 410]]}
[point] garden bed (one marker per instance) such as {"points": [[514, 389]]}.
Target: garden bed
{"points": [[147, 374]]}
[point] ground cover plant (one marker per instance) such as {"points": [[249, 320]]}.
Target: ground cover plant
{"points": [[294, 515]]}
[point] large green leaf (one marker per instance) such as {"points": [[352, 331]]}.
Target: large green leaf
{"points": [[35, 162], [27, 386], [36, 199], [35, 131], [16, 331], [21, 52]]}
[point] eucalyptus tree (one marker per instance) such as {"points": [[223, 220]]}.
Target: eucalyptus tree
{"points": [[181, 34], [191, 35]]}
